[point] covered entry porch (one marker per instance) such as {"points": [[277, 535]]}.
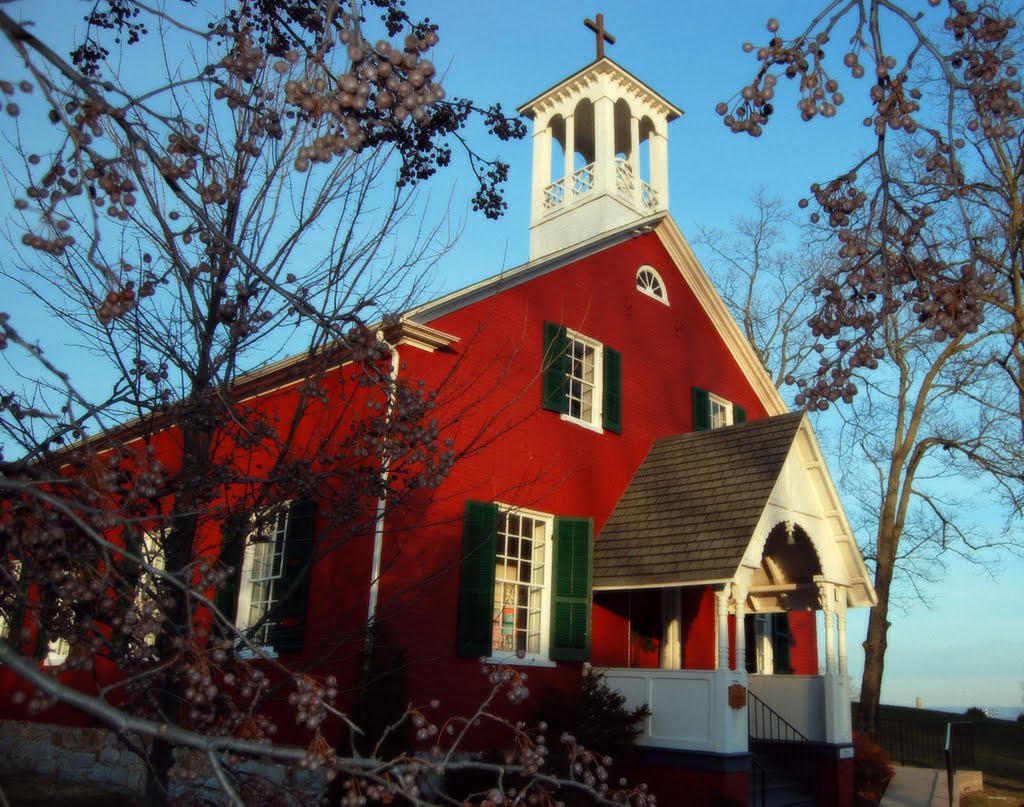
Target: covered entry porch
{"points": [[724, 567]]}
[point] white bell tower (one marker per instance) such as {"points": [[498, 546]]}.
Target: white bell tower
{"points": [[600, 153]]}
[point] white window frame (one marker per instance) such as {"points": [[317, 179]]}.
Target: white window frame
{"points": [[655, 290], [276, 525], [539, 657], [152, 553], [720, 412], [5, 626], [57, 652], [597, 387]]}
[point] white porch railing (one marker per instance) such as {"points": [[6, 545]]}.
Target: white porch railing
{"points": [[689, 708]]}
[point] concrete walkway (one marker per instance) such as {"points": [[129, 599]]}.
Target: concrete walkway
{"points": [[925, 787]]}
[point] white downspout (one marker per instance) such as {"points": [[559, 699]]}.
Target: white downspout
{"points": [[382, 503]]}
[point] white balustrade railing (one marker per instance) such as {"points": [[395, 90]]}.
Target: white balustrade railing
{"points": [[554, 194], [583, 180], [633, 188]]}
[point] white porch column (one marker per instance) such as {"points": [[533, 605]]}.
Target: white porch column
{"points": [[672, 618], [844, 720], [826, 597], [722, 627], [634, 156], [658, 155], [604, 145], [837, 698], [841, 629], [570, 160], [739, 598], [541, 166]]}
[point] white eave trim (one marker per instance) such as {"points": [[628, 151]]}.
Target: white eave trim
{"points": [[523, 273], [590, 73]]}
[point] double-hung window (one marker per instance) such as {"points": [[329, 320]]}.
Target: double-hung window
{"points": [[711, 411], [262, 573], [584, 370], [522, 580], [10, 605], [525, 585], [266, 595], [582, 379]]}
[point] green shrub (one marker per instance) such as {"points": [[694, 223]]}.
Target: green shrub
{"points": [[595, 715], [976, 713]]}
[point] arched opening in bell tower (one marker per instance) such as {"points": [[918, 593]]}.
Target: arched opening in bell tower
{"points": [[557, 162], [646, 130]]}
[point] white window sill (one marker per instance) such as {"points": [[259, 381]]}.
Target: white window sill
{"points": [[246, 652], [594, 427], [512, 660], [652, 295]]}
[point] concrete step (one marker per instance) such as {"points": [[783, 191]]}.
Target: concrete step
{"points": [[780, 788]]}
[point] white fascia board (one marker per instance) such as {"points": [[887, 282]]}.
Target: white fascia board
{"points": [[528, 271]]}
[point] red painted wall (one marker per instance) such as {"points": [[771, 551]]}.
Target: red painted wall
{"points": [[514, 452], [803, 647], [693, 788], [534, 459]]}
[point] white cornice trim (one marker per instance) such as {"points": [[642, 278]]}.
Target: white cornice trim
{"points": [[468, 295], [589, 75]]}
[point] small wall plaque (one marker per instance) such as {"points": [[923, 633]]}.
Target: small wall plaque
{"points": [[737, 696]]}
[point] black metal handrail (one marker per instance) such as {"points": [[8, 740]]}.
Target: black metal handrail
{"points": [[959, 744], [760, 716], [780, 741]]}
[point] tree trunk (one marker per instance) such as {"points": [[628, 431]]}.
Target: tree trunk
{"points": [[874, 663], [179, 551], [878, 631]]}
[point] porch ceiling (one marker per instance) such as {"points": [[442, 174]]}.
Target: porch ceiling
{"points": [[701, 505]]}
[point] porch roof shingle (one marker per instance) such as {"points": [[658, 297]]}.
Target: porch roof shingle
{"points": [[692, 505]]}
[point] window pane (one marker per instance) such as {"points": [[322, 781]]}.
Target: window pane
{"points": [[519, 584], [265, 566], [582, 379]]}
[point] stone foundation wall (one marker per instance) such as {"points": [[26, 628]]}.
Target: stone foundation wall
{"points": [[96, 757], [70, 755]]}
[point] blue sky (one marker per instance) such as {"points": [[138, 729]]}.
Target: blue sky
{"points": [[968, 648]]}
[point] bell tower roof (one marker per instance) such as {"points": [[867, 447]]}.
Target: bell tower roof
{"points": [[590, 74], [600, 153]]}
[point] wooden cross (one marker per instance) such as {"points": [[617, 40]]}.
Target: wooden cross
{"points": [[602, 35]]}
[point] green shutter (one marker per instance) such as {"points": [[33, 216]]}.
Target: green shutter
{"points": [[701, 410], [233, 534], [611, 415], [476, 594], [288, 634], [780, 643], [571, 590], [739, 414], [554, 394]]}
